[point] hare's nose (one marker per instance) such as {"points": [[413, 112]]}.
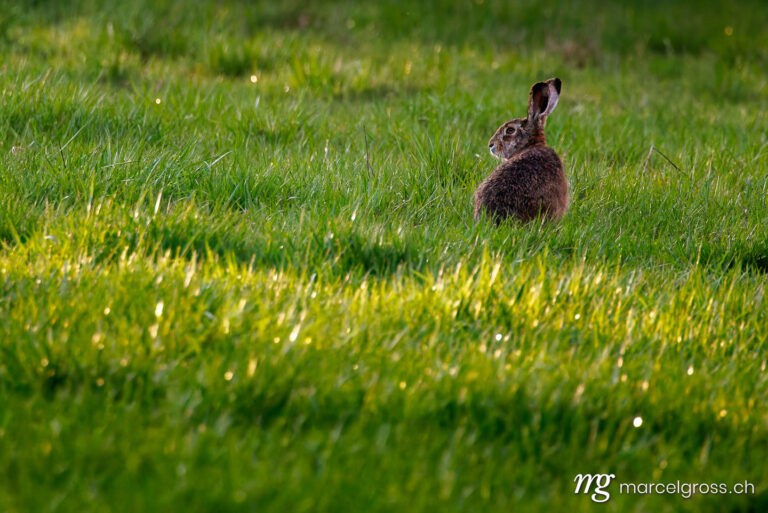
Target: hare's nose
{"points": [[491, 144]]}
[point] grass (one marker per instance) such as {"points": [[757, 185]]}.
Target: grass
{"points": [[209, 301]]}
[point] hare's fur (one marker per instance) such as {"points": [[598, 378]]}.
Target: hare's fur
{"points": [[530, 181]]}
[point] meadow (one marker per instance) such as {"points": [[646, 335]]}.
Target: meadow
{"points": [[239, 269]]}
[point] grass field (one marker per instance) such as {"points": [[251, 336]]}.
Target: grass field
{"points": [[211, 301]]}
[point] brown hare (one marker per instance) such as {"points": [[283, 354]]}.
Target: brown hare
{"points": [[530, 181]]}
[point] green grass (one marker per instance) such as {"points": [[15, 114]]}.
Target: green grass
{"points": [[209, 302]]}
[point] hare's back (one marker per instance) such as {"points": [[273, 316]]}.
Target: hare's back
{"points": [[525, 186], [532, 168]]}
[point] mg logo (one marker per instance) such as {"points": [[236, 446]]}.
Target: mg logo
{"points": [[602, 481]]}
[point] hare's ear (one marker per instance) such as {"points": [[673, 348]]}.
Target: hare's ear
{"points": [[553, 84], [543, 99]]}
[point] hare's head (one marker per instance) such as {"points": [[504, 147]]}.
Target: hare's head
{"points": [[518, 134]]}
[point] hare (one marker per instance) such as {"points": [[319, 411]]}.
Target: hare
{"points": [[530, 181]]}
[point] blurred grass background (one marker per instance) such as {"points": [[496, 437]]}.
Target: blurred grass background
{"points": [[208, 301]]}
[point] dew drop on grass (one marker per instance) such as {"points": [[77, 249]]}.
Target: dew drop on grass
{"points": [[498, 336], [690, 370], [107, 310], [229, 375], [637, 422], [254, 79], [158, 101], [159, 309], [294, 333]]}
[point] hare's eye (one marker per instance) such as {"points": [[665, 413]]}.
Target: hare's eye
{"points": [[509, 130]]}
